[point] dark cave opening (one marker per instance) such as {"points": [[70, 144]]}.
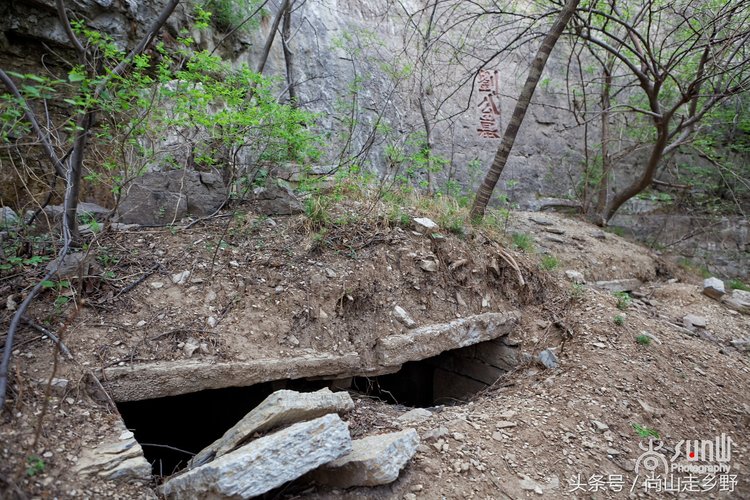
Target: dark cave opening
{"points": [[172, 429], [451, 377]]}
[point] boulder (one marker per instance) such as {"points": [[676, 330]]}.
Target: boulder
{"points": [[692, 321], [713, 287], [575, 276], [266, 463], [84, 210], [374, 460], [72, 265], [276, 199], [280, 408], [116, 459], [163, 197], [739, 301], [7, 217], [548, 358]]}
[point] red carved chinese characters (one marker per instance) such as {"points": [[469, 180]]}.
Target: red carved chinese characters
{"points": [[489, 91]]}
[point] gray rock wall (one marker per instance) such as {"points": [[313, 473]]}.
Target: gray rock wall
{"points": [[342, 44]]}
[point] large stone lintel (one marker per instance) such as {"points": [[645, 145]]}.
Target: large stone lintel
{"points": [[431, 340], [170, 378]]}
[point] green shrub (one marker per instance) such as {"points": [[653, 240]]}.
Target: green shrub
{"points": [[643, 340], [550, 262], [623, 300], [523, 242]]}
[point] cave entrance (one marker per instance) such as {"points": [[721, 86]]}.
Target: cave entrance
{"points": [[451, 377], [173, 429]]}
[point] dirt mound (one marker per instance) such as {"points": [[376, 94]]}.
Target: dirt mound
{"points": [[246, 299]]}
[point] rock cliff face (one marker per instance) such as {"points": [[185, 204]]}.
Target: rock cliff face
{"points": [[362, 66]]}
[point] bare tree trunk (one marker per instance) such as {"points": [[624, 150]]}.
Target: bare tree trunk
{"points": [[271, 36], [73, 188], [286, 35], [606, 160], [484, 193], [428, 146], [647, 177]]}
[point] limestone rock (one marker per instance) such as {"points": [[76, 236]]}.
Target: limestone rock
{"points": [[373, 460], [404, 317], [414, 416], [548, 359], [280, 408], [161, 197], [84, 210], [71, 266], [276, 199], [739, 301], [575, 276], [7, 217], [423, 223], [713, 287], [266, 463], [431, 340], [121, 458], [693, 321], [428, 265]]}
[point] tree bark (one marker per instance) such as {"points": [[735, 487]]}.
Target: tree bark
{"points": [[603, 195], [271, 36], [644, 181], [286, 34], [484, 193]]}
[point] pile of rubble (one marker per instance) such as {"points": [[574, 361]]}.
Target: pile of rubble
{"points": [[290, 435]]}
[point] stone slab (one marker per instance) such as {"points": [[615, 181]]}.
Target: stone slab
{"points": [[280, 408], [266, 463], [431, 340], [374, 460]]}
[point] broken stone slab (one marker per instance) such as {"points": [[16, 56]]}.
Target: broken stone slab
{"points": [[713, 287], [739, 301], [280, 408], [422, 223], [403, 317], [266, 463], [115, 459], [170, 378], [373, 461], [428, 341], [623, 285]]}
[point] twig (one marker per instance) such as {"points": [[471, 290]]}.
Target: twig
{"points": [[140, 280], [512, 263], [168, 448], [52, 336]]}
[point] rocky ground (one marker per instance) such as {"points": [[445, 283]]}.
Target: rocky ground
{"points": [[247, 288]]}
